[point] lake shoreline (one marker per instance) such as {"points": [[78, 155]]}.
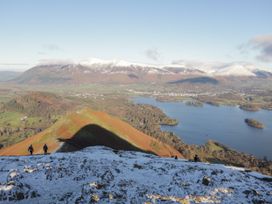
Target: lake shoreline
{"points": [[216, 151], [242, 106]]}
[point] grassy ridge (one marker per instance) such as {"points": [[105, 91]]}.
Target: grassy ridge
{"points": [[72, 125]]}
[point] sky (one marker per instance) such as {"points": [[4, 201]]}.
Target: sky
{"points": [[145, 31]]}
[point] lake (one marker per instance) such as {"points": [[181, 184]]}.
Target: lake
{"points": [[224, 124]]}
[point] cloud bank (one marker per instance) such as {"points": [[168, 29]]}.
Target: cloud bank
{"points": [[262, 44], [55, 61]]}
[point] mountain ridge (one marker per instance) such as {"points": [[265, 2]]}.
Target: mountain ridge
{"points": [[85, 128], [99, 71]]}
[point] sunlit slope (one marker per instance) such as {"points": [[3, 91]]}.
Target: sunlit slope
{"points": [[88, 128]]}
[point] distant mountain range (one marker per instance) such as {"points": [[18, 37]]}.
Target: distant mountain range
{"points": [[8, 75], [99, 71]]}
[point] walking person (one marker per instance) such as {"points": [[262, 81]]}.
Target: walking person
{"points": [[196, 158], [45, 148], [30, 149]]}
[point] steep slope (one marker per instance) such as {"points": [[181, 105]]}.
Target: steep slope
{"points": [[87, 128], [100, 175]]}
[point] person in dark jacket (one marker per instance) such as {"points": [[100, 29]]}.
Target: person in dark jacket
{"points": [[45, 148], [196, 158], [30, 149]]}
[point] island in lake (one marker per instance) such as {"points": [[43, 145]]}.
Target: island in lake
{"points": [[254, 123]]}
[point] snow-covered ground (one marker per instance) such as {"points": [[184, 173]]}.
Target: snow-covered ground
{"points": [[99, 174]]}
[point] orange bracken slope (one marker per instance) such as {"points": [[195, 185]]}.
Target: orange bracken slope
{"points": [[70, 125]]}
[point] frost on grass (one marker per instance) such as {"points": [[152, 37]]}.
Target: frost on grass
{"points": [[100, 175]]}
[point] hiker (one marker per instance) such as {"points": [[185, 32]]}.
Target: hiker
{"points": [[31, 149], [45, 148], [196, 158]]}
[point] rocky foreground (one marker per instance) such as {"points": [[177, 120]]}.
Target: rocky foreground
{"points": [[102, 175]]}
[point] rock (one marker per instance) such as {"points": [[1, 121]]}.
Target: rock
{"points": [[216, 172], [99, 186], [206, 180], [137, 166], [95, 198], [11, 183], [19, 196], [257, 201], [110, 196], [34, 194], [251, 191]]}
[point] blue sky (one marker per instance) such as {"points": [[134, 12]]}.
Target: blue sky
{"points": [[146, 31]]}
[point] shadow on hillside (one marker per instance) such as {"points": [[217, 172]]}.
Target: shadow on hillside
{"points": [[95, 135], [196, 80]]}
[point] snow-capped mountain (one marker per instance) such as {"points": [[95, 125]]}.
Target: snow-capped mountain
{"points": [[234, 70], [224, 69], [119, 71], [103, 175], [121, 66], [113, 63], [212, 68]]}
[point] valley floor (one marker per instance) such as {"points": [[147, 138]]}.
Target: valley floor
{"points": [[99, 174]]}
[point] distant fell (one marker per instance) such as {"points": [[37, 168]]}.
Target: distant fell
{"points": [[38, 104]]}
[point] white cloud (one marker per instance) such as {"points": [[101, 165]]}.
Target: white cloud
{"points": [[153, 54], [55, 61], [51, 47]]}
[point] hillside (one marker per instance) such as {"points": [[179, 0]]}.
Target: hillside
{"points": [[88, 128], [27, 113], [39, 104], [100, 175]]}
